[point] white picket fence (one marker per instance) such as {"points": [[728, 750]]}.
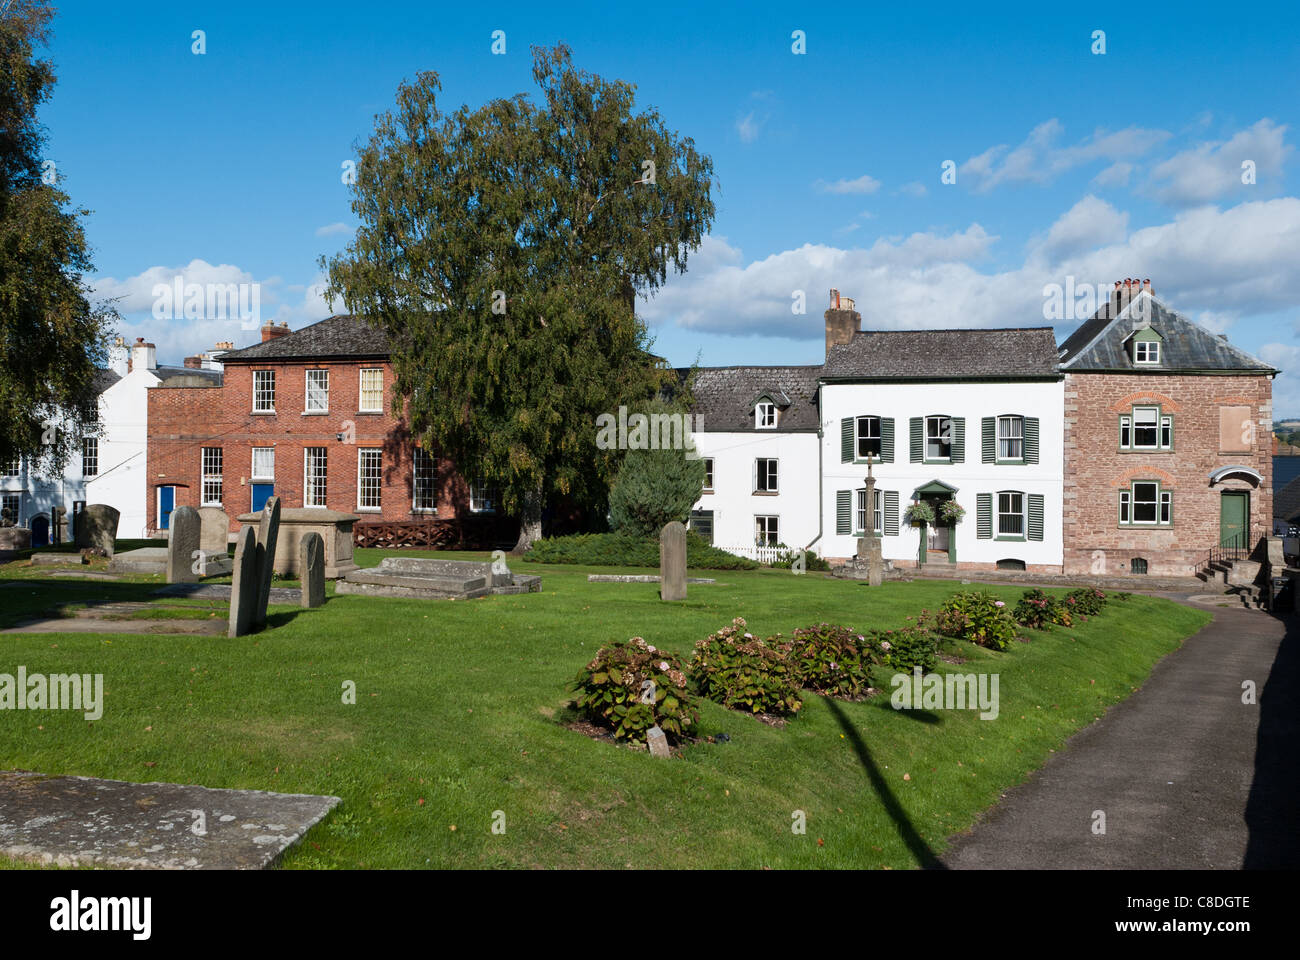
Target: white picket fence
{"points": [[753, 551]]}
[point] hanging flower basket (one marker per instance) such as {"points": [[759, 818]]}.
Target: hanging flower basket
{"points": [[951, 512], [919, 513]]}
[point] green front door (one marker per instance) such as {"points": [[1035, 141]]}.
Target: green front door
{"points": [[1233, 515]]}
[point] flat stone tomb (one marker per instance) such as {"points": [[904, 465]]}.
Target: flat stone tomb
{"points": [[427, 577], [143, 560], [84, 821]]}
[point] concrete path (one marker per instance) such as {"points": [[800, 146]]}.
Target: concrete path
{"points": [[83, 821], [1188, 776]]}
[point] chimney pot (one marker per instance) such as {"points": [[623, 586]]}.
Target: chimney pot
{"points": [[842, 321]]}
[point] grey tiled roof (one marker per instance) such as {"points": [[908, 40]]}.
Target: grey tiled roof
{"points": [[1286, 502], [725, 396], [1099, 344], [187, 376], [982, 354], [103, 379], [342, 335]]}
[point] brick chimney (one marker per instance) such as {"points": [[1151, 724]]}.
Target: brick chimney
{"points": [[195, 362], [270, 330], [842, 321], [144, 356], [1124, 292]]}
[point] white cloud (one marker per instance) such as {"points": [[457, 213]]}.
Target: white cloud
{"points": [[748, 127], [1286, 386], [914, 189], [332, 229], [1116, 175], [1090, 223], [1039, 160], [1213, 170], [863, 184]]}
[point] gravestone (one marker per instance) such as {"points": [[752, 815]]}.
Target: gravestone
{"points": [[268, 533], [311, 567], [96, 528], [58, 525], [182, 544], [245, 587], [214, 536], [672, 562], [657, 741]]}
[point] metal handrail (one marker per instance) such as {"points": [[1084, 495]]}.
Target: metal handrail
{"points": [[1239, 546]]}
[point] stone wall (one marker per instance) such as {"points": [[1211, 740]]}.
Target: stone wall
{"points": [[1096, 468]]}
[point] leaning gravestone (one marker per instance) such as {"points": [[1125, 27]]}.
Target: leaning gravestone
{"points": [[672, 562], [657, 741], [182, 545], [268, 532], [97, 528], [245, 587], [214, 538], [311, 568]]}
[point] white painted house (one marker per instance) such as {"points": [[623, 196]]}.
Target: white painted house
{"points": [[969, 416], [111, 467]]}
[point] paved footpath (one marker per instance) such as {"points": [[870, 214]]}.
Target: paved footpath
{"points": [[1188, 776]]}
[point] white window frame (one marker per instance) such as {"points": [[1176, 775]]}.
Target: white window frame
{"points": [[263, 395], [1161, 505], [309, 488], [938, 437], [378, 373], [256, 477], [13, 468], [860, 512], [858, 436], [17, 498], [90, 456], [210, 457], [767, 529], [1153, 425], [765, 416], [1152, 351], [365, 483], [1009, 422], [766, 479], [482, 498], [1022, 534], [708, 474], [320, 372], [417, 482]]}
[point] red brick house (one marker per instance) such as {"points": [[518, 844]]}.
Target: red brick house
{"points": [[1168, 441], [306, 415]]}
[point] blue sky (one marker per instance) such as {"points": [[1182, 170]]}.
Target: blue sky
{"points": [[226, 166]]}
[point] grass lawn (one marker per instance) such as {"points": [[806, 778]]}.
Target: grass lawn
{"points": [[460, 709]]}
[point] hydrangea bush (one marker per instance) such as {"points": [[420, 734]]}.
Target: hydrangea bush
{"points": [[979, 617], [1039, 610], [833, 660], [1087, 601], [631, 686], [907, 647], [738, 670]]}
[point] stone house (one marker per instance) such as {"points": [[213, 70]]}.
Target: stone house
{"points": [[305, 415], [1168, 441]]}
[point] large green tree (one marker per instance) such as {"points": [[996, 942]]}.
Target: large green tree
{"points": [[52, 337], [501, 248]]}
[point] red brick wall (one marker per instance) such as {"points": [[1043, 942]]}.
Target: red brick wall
{"points": [[1096, 469], [183, 420]]}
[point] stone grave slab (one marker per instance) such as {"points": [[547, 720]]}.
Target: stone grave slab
{"points": [[96, 528], [434, 579], [221, 591], [57, 560], [638, 578], [335, 529], [312, 570], [268, 535], [245, 587], [182, 545], [143, 560], [84, 821], [672, 562]]}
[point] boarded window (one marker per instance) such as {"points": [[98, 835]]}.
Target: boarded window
{"points": [[1236, 430]]}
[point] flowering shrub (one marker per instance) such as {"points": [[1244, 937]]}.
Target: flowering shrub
{"points": [[736, 669], [950, 511], [833, 660], [919, 512], [1086, 601], [978, 617], [613, 691], [1038, 610], [906, 647]]}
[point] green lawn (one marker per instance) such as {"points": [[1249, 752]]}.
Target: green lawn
{"points": [[460, 711]]}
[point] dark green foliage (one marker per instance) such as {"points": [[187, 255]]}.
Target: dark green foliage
{"points": [[979, 617], [811, 561], [502, 249], [612, 687], [1086, 601], [1039, 610], [616, 550], [736, 669], [655, 487], [906, 648], [833, 660], [51, 337]]}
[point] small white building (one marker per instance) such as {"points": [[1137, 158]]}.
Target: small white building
{"points": [[110, 467]]}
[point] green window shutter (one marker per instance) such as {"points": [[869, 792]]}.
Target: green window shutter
{"points": [[891, 513], [1031, 439], [846, 440], [989, 445], [1035, 516], [984, 516], [918, 442], [844, 512], [886, 439], [958, 439]]}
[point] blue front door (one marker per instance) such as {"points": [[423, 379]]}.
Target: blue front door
{"points": [[261, 493], [166, 501], [40, 532]]}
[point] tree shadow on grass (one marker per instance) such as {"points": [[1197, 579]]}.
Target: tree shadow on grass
{"points": [[1272, 810], [920, 850]]}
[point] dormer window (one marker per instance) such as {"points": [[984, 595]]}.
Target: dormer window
{"points": [[1146, 351], [765, 416]]}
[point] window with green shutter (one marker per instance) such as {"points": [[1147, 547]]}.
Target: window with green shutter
{"points": [[844, 512], [891, 513], [866, 436], [958, 439], [984, 516], [1031, 439], [1036, 504], [846, 440], [887, 440], [989, 440], [917, 446]]}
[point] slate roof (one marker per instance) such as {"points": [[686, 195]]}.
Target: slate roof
{"points": [[724, 397], [103, 379], [1099, 345], [980, 354], [187, 377], [342, 335], [1286, 502]]}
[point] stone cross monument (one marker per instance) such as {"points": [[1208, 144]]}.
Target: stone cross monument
{"points": [[869, 544]]}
